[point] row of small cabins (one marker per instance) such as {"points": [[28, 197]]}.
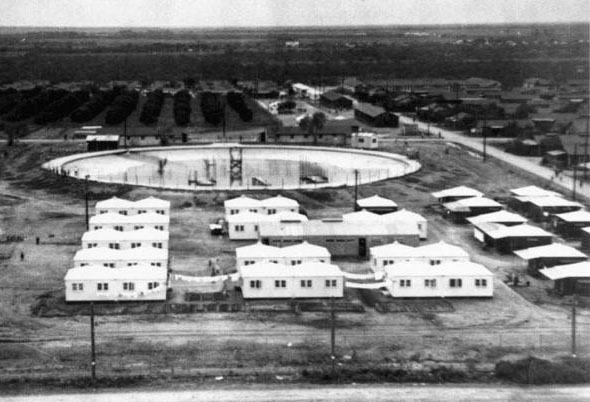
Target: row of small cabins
{"points": [[509, 232], [124, 253]]}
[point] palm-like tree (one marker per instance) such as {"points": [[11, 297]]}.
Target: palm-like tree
{"points": [[313, 124]]}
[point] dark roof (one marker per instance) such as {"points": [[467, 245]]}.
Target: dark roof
{"points": [[370, 110], [333, 96]]}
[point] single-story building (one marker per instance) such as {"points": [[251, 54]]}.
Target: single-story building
{"points": [[241, 204], [541, 209], [403, 215], [258, 253], [432, 254], [504, 217], [364, 140], [125, 223], [278, 204], [126, 207], [113, 258], [375, 116], [449, 279], [570, 224], [334, 100], [100, 142], [303, 253], [280, 281], [147, 138], [585, 238], [245, 225], [340, 238], [376, 204], [506, 239], [455, 194], [519, 196], [459, 211], [570, 278], [333, 132], [361, 216], [296, 254], [118, 240], [550, 255], [97, 283]]}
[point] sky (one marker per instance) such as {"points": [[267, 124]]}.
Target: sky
{"points": [[255, 13]]}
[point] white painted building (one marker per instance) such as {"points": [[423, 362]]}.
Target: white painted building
{"points": [[504, 217], [125, 207], [364, 140], [304, 253], [280, 281], [114, 239], [451, 279], [277, 204], [455, 193], [245, 225], [112, 258], [403, 215], [97, 283], [125, 223], [376, 204], [361, 216], [296, 254], [241, 204], [258, 253], [533, 191], [287, 217], [152, 205], [392, 255], [114, 205]]}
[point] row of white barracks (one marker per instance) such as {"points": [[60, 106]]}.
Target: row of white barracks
{"points": [[124, 255]]}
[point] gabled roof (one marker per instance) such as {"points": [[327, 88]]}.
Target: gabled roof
{"points": [[577, 270], [149, 217], [258, 250], [337, 229], [472, 202], [108, 254], [305, 249], [98, 272], [395, 249], [551, 250], [445, 269], [145, 234], [533, 191], [498, 216], [102, 235], [575, 216], [403, 215], [305, 270], [369, 110], [441, 249], [152, 202], [499, 231], [553, 202], [96, 254], [360, 216], [376, 201], [460, 191], [279, 202], [242, 202], [248, 217], [114, 202], [109, 217]]}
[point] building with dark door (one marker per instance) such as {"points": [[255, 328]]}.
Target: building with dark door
{"points": [[375, 116]]}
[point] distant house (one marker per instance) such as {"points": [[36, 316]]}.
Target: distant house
{"points": [[364, 140], [506, 239], [570, 224], [333, 133], [125, 223], [503, 217], [97, 142], [403, 215], [455, 193], [296, 254], [113, 258], [541, 209], [375, 116], [395, 253], [98, 283], [376, 204], [147, 139], [449, 279], [114, 239], [257, 253], [334, 100], [536, 83], [241, 204], [549, 255], [280, 281], [570, 278]]}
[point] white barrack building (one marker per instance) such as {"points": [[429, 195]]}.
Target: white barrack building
{"points": [[114, 239], [126, 207], [269, 206], [124, 223], [112, 258], [388, 255], [296, 254]]}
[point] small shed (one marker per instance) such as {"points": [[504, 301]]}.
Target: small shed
{"points": [[570, 278], [451, 279], [455, 194], [504, 217], [403, 215], [506, 239], [364, 140], [280, 281], [98, 283], [550, 255], [101, 142], [241, 204], [376, 204], [459, 211], [570, 224]]}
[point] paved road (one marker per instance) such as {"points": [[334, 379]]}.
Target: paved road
{"points": [[348, 393], [565, 182]]}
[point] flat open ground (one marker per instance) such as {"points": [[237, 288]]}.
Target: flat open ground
{"points": [[472, 337]]}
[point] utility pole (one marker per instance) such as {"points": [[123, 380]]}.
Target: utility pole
{"points": [[92, 346], [574, 300], [575, 171], [356, 188], [86, 200], [483, 131]]}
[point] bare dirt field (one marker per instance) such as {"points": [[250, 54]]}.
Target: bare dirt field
{"points": [[472, 335]]}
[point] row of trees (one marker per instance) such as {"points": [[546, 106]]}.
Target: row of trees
{"points": [[237, 103], [27, 108], [182, 108], [212, 108], [62, 107], [94, 106], [152, 107], [122, 107]]}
